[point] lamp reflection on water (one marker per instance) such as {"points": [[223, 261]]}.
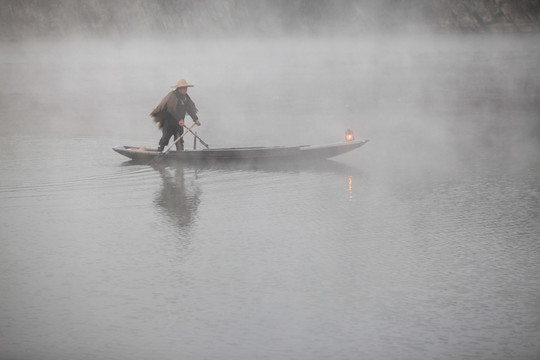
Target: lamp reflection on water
{"points": [[350, 188]]}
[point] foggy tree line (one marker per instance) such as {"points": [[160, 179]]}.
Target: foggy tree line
{"points": [[34, 18]]}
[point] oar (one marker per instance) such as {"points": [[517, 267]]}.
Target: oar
{"points": [[162, 155], [197, 136]]}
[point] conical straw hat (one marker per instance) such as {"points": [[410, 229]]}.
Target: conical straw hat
{"points": [[181, 83]]}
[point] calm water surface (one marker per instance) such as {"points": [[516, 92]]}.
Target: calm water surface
{"points": [[422, 244]]}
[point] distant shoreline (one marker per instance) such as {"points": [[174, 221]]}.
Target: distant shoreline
{"points": [[23, 19]]}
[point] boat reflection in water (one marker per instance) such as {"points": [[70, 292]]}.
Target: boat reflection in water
{"points": [[178, 199]]}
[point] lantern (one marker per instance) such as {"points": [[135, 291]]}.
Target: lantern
{"points": [[349, 136]]}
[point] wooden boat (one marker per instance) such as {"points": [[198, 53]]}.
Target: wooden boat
{"points": [[301, 152]]}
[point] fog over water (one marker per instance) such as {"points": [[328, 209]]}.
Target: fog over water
{"points": [[421, 244]]}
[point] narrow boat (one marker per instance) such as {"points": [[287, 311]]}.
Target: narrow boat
{"points": [[301, 152]]}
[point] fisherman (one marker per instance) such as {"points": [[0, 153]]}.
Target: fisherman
{"points": [[170, 114]]}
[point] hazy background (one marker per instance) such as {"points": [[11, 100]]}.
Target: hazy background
{"points": [[421, 244]]}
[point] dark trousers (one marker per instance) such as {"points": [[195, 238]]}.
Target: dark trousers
{"points": [[171, 128]]}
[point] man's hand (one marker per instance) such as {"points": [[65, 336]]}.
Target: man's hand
{"points": [[198, 122], [181, 123]]}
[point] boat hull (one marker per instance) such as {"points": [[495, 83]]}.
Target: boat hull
{"points": [[242, 154]]}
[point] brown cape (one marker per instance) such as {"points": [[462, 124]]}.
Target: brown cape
{"points": [[167, 107]]}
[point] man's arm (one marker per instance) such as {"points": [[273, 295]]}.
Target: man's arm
{"points": [[194, 117]]}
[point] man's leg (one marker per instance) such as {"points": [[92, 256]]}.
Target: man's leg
{"points": [[179, 144], [164, 140], [168, 131]]}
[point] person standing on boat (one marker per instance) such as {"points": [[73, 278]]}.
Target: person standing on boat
{"points": [[170, 114]]}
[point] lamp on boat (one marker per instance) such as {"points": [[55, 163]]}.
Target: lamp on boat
{"points": [[349, 136]]}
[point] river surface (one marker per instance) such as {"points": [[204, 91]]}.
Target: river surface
{"points": [[422, 244]]}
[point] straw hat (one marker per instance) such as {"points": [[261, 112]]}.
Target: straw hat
{"points": [[181, 83]]}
